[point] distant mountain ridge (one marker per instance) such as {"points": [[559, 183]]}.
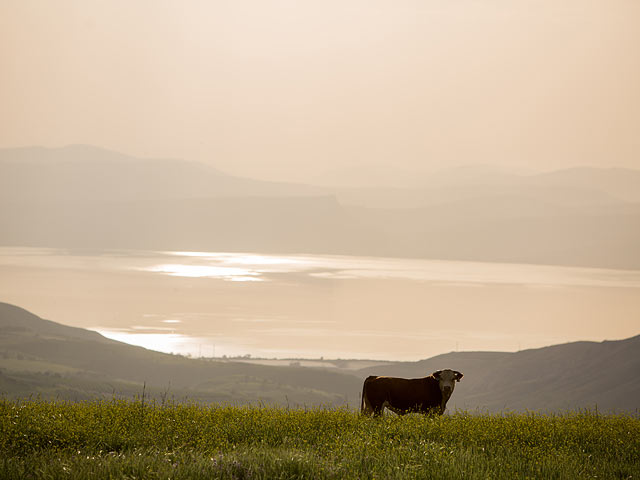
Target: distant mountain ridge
{"points": [[359, 183], [623, 183], [86, 173], [84, 197], [42, 357]]}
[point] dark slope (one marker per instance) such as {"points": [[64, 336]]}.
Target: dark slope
{"points": [[31, 347], [18, 321], [559, 377]]}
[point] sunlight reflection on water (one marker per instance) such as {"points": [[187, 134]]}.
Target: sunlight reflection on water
{"points": [[245, 267], [200, 271]]}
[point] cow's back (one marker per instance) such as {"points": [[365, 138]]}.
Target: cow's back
{"points": [[405, 394]]}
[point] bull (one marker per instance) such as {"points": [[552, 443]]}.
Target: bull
{"points": [[406, 395]]}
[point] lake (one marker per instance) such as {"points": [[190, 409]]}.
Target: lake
{"points": [[283, 306]]}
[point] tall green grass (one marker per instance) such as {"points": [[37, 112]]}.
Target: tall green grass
{"points": [[120, 439]]}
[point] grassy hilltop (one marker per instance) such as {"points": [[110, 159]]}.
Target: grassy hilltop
{"points": [[120, 439]]}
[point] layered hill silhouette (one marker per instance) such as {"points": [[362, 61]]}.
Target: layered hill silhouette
{"points": [[85, 197], [589, 375], [41, 357], [83, 173]]}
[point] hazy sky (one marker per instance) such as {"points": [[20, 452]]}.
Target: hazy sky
{"points": [[273, 88]]}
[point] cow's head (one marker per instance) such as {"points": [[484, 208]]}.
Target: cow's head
{"points": [[447, 380]]}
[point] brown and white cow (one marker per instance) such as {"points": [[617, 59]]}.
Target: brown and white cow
{"points": [[405, 395]]}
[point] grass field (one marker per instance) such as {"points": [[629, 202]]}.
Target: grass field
{"points": [[130, 439]]}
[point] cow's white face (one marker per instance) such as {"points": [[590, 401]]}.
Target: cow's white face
{"points": [[447, 380]]}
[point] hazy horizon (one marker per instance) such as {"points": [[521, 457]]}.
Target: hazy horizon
{"points": [[286, 90], [372, 175]]}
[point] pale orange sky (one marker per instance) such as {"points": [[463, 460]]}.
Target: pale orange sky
{"points": [[272, 88]]}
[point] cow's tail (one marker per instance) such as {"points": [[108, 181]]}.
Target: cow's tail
{"points": [[364, 389]]}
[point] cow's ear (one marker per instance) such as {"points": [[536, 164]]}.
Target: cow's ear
{"points": [[458, 375], [436, 375]]}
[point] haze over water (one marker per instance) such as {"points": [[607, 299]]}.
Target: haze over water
{"points": [[215, 304]]}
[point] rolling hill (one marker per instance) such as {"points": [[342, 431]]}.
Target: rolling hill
{"points": [[40, 357], [577, 375]]}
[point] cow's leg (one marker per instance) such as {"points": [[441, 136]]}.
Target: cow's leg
{"points": [[367, 409], [374, 408], [397, 411]]}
